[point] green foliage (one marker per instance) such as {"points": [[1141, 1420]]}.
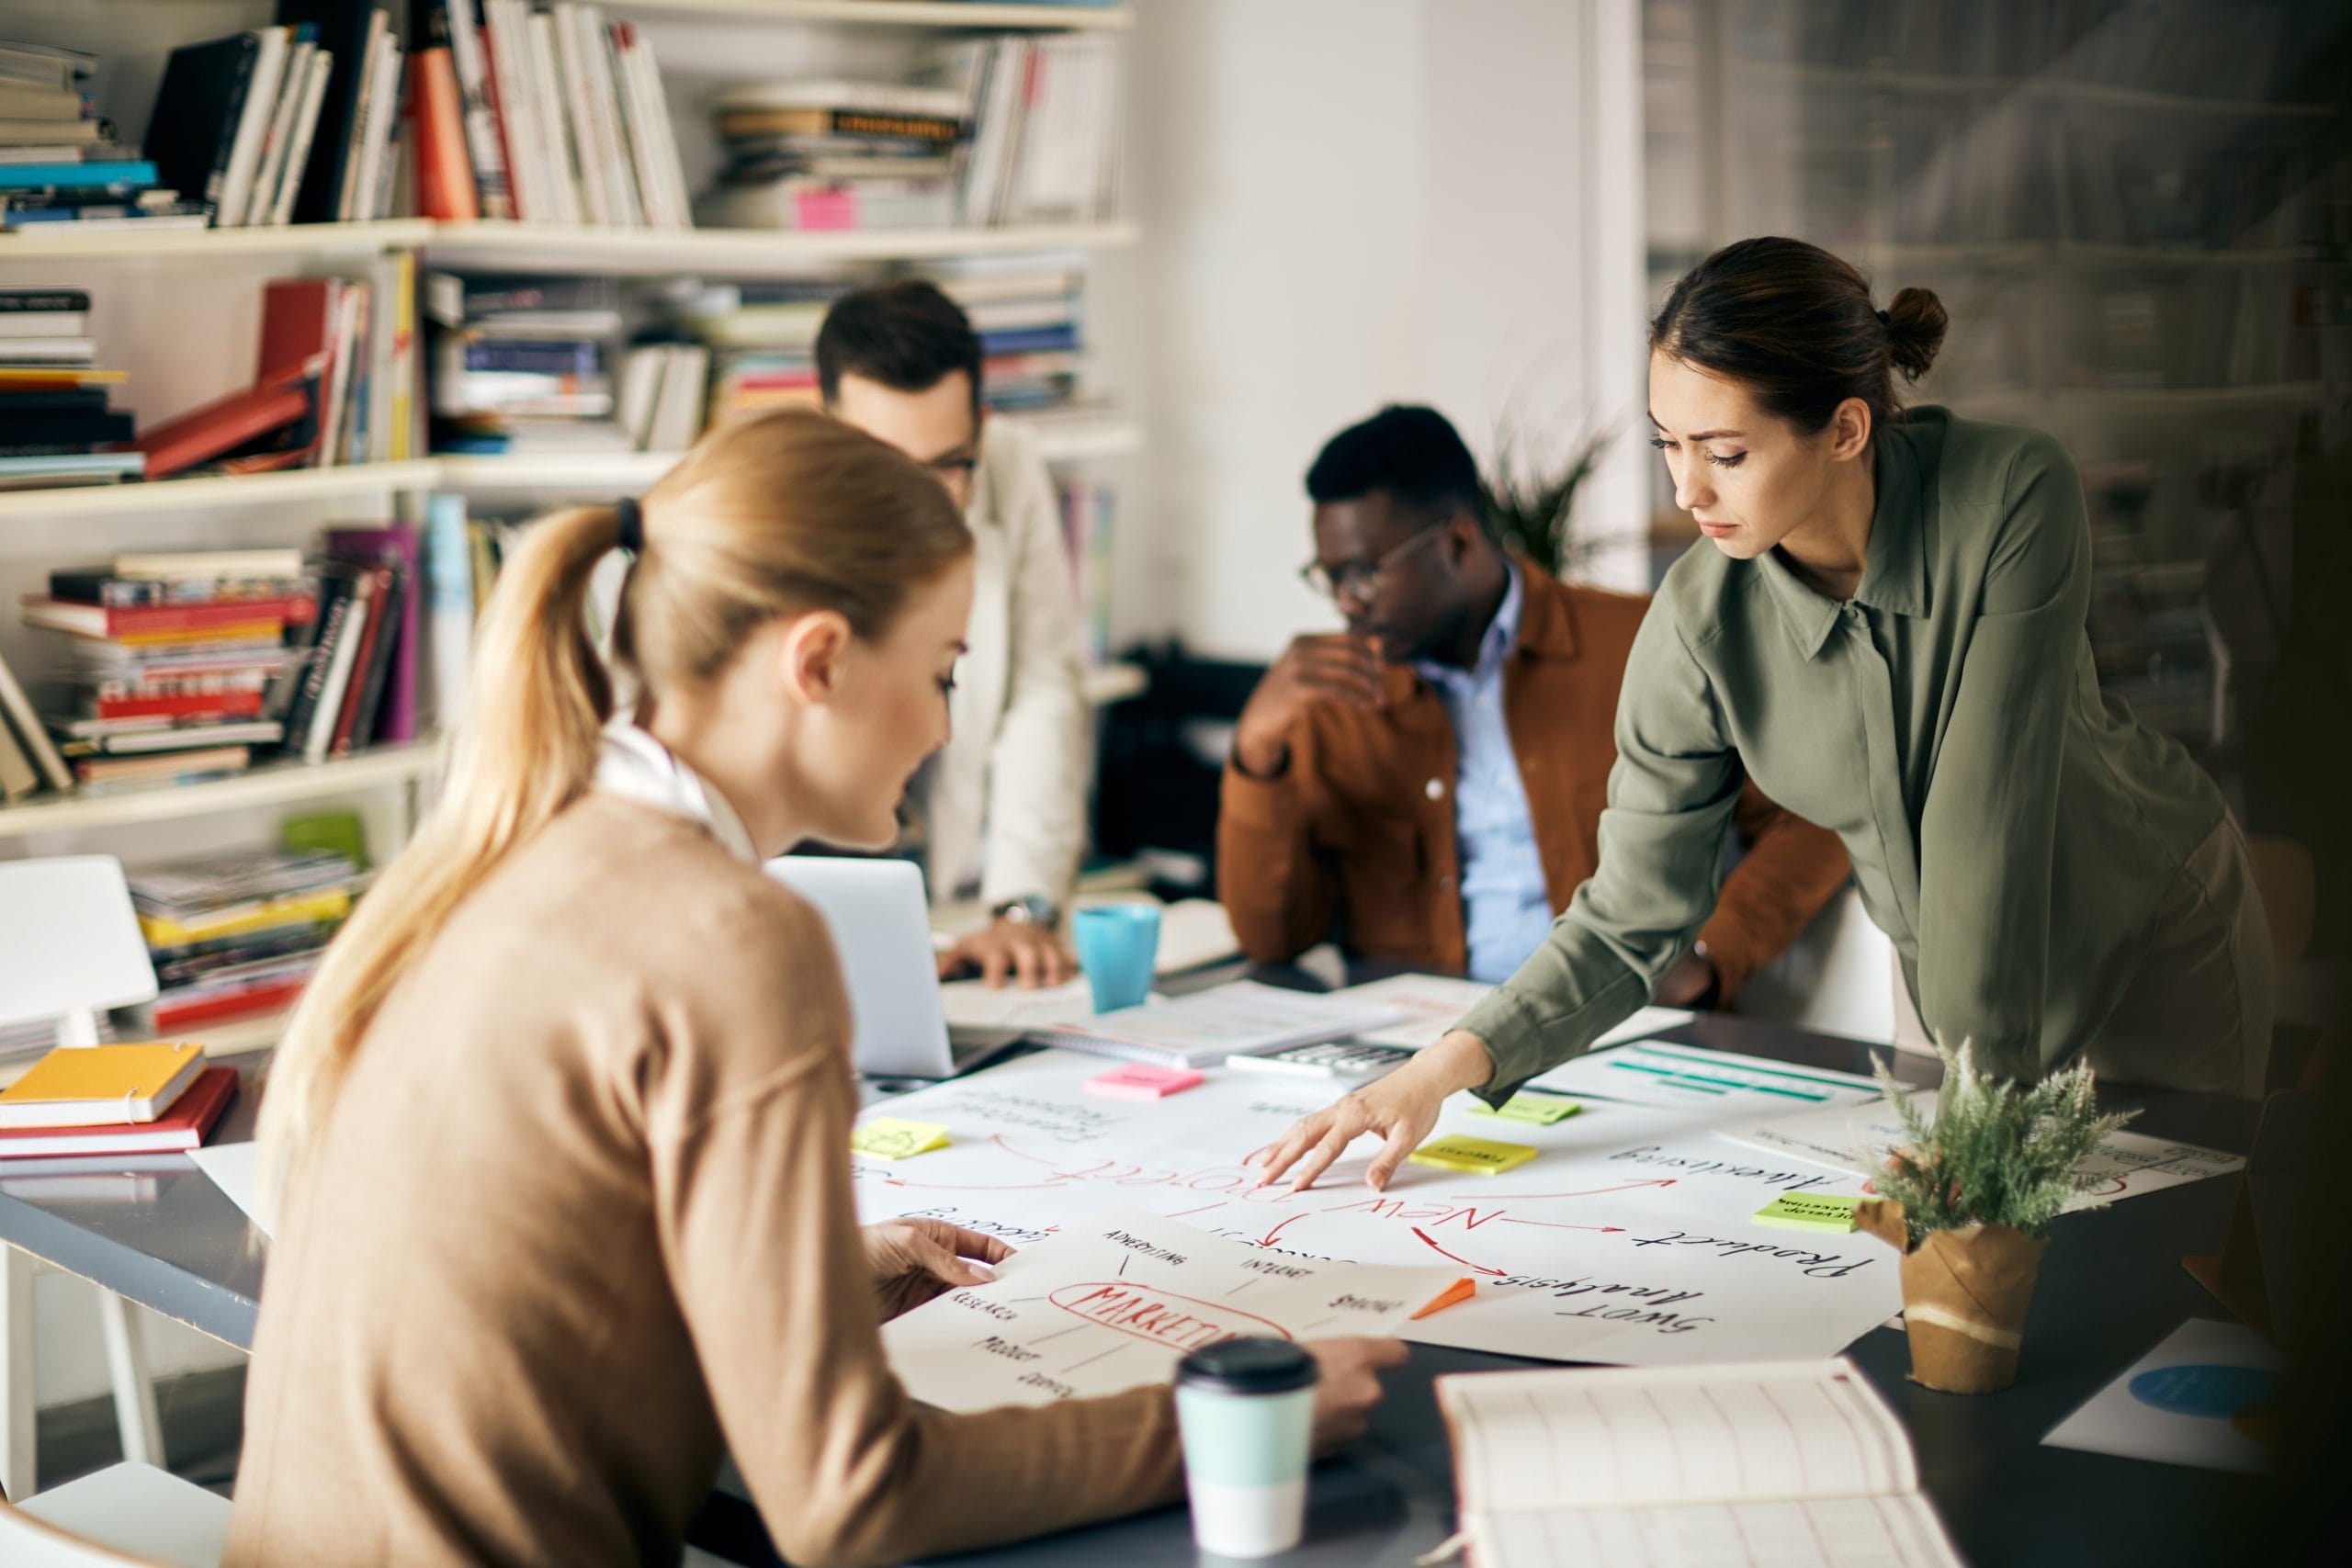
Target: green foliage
{"points": [[1997, 1153], [1531, 506]]}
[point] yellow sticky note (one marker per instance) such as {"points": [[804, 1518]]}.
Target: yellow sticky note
{"points": [[1541, 1109], [887, 1137], [1809, 1212], [1481, 1154]]}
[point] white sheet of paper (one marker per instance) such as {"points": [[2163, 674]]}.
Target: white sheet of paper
{"points": [[1629, 1239], [235, 1168], [1119, 1298], [2177, 1404], [1856, 1139], [1715, 1084], [976, 1004]]}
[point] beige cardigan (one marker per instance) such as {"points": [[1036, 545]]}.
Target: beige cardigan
{"points": [[580, 1222]]}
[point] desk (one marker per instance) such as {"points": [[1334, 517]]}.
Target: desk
{"points": [[2112, 1286]]}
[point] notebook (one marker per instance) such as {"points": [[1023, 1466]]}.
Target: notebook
{"points": [[178, 1131], [99, 1086], [1204, 1028], [1792, 1463]]}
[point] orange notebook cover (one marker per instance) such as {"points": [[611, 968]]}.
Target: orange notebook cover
{"points": [[97, 1085]]}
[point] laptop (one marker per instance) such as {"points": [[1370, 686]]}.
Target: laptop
{"points": [[881, 931]]}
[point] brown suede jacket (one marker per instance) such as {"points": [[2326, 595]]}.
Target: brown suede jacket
{"points": [[1356, 837]]}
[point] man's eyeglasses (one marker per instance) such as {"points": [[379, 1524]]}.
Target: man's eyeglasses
{"points": [[1361, 581]]}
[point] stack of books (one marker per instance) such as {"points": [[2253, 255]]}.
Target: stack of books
{"points": [[1028, 313], [821, 155], [557, 116], [167, 662], [113, 1100], [1044, 117], [54, 414], [238, 936], [524, 364], [61, 170]]}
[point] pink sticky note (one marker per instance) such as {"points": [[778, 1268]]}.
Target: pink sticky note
{"points": [[834, 206], [1137, 1081]]}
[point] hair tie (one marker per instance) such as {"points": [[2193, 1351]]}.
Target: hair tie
{"points": [[1884, 319], [630, 534]]}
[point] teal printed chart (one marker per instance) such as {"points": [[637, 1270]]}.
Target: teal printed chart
{"points": [[1650, 1073]]}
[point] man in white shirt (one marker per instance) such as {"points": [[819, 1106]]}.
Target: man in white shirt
{"points": [[1005, 803]]}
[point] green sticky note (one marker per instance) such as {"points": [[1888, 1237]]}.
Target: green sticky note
{"points": [[1480, 1155], [888, 1137], [1541, 1109], [1809, 1212]]}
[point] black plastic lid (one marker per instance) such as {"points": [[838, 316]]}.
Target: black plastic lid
{"points": [[1248, 1366]]}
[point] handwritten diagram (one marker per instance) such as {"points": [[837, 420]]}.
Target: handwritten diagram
{"points": [[1631, 1238], [1119, 1298]]}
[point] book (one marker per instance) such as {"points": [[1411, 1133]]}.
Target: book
{"points": [[397, 545], [1791, 1464], [252, 125], [319, 71], [338, 659], [373, 590], [17, 716], [98, 1086], [244, 618], [1205, 1027], [278, 133], [232, 422], [184, 1127], [31, 472], [19, 101], [139, 742], [445, 173], [210, 761], [475, 110], [214, 567], [312, 908], [192, 133], [347, 34]]}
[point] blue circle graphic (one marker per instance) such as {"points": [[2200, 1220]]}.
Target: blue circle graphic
{"points": [[2216, 1392]]}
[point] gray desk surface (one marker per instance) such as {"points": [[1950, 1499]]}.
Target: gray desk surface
{"points": [[159, 1231]]}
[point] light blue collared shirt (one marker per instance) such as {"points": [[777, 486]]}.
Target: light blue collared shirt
{"points": [[1506, 909]]}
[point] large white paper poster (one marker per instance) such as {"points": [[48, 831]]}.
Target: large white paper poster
{"points": [[1629, 1238], [1857, 1139], [1121, 1296]]}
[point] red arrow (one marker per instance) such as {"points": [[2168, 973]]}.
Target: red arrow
{"points": [[1442, 1253], [1540, 1197], [1269, 1239]]}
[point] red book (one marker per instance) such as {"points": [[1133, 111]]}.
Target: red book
{"points": [[298, 335], [226, 423], [346, 722], [155, 623], [445, 170], [180, 705], [178, 1130], [172, 1018]]}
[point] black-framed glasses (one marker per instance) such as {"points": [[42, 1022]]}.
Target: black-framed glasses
{"points": [[1363, 579]]}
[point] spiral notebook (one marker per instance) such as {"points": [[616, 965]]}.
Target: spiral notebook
{"points": [[1243, 1018]]}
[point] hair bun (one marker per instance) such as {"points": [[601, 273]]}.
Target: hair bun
{"points": [[1914, 329]]}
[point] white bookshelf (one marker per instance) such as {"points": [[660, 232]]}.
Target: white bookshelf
{"points": [[222, 491], [894, 14], [275, 783], [564, 248]]}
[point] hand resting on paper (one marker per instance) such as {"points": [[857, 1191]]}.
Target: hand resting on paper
{"points": [[914, 1260], [1349, 1387], [1400, 1108], [1020, 952]]}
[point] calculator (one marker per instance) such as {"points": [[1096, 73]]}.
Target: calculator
{"points": [[1337, 1059]]}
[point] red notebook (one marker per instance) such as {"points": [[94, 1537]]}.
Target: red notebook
{"points": [[177, 1130], [226, 423]]}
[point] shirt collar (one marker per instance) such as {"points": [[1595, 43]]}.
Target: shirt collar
{"points": [[636, 767], [1894, 564], [1501, 636]]}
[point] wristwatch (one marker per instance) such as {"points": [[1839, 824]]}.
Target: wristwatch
{"points": [[1029, 910]]}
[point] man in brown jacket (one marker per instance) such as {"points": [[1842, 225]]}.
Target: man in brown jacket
{"points": [[1428, 785]]}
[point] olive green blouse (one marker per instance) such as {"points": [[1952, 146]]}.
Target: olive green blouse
{"points": [[2011, 829]]}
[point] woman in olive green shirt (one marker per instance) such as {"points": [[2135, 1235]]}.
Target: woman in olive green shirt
{"points": [[1888, 635]]}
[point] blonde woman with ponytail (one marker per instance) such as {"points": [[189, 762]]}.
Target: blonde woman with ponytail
{"points": [[562, 1126]]}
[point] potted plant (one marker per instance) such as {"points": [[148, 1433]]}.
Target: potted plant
{"points": [[1532, 501], [1968, 1201]]}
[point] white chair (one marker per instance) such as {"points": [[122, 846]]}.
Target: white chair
{"points": [[70, 948], [126, 1515]]}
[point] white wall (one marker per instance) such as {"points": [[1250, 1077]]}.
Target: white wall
{"points": [[1349, 202]]}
